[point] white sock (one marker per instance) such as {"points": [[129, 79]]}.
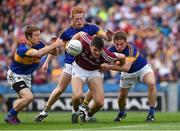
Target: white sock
{"points": [[44, 113]]}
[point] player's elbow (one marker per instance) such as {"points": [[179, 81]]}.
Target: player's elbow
{"points": [[126, 69], [127, 66]]}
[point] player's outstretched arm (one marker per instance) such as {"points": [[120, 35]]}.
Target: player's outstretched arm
{"points": [[46, 49], [56, 51], [117, 66]]}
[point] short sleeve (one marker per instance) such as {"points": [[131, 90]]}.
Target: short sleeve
{"points": [[94, 29], [21, 50]]}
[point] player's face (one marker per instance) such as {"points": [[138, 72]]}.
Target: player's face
{"points": [[120, 45], [35, 37], [78, 20], [95, 52]]}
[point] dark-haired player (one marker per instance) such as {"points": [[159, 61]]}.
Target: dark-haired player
{"points": [[85, 69]]}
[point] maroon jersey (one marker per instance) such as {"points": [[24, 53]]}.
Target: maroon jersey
{"points": [[86, 59]]}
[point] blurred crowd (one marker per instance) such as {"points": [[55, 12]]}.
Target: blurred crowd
{"points": [[153, 25]]}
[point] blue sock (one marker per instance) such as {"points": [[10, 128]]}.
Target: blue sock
{"points": [[121, 112], [12, 112], [151, 110]]}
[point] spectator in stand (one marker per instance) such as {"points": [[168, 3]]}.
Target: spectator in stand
{"points": [[55, 71], [39, 77]]}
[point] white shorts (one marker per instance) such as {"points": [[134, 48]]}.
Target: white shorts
{"points": [[102, 75], [130, 79], [67, 68], [14, 78], [85, 75]]}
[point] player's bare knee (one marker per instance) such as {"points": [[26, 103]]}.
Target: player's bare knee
{"points": [[59, 90], [152, 87], [122, 96], [29, 98]]}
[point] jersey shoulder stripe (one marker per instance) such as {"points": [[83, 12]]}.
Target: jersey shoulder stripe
{"points": [[107, 57], [86, 38], [131, 49]]}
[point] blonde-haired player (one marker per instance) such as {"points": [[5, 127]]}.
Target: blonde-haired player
{"points": [[78, 24]]}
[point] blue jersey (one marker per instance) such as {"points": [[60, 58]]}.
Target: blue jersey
{"points": [[132, 53], [22, 63], [70, 32]]}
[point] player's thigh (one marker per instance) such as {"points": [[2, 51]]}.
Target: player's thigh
{"points": [[77, 86], [149, 79], [96, 87], [147, 75], [64, 80], [18, 82]]}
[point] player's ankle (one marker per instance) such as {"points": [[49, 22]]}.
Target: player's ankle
{"points": [[83, 108], [84, 104], [46, 108], [75, 110]]}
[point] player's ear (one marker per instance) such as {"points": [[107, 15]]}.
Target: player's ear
{"points": [[28, 37], [71, 16]]}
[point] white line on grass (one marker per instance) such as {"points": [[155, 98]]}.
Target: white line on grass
{"points": [[164, 125]]}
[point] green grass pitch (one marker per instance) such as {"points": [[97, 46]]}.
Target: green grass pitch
{"points": [[62, 121]]}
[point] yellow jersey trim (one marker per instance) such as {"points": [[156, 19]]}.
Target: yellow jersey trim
{"points": [[132, 59], [27, 60]]}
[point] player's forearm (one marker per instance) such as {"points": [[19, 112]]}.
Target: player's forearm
{"points": [[49, 58], [118, 68], [49, 48], [45, 50]]}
